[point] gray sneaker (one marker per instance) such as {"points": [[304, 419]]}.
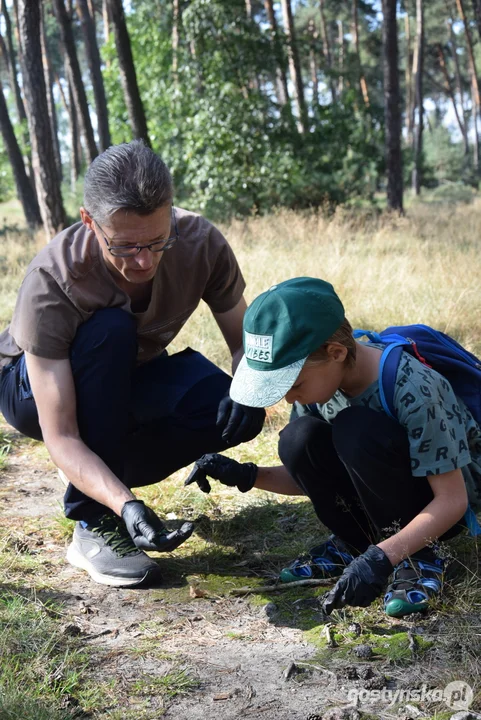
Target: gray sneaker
{"points": [[108, 553]]}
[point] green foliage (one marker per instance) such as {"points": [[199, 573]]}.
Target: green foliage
{"points": [[232, 149]]}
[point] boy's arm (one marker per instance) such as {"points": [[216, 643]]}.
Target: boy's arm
{"points": [[445, 510], [276, 480]]}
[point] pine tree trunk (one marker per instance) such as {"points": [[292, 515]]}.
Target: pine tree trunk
{"points": [[52, 113], [75, 158], [457, 73], [326, 51], [362, 79], [418, 84], [409, 79], [175, 40], [93, 60], [281, 76], [13, 65], [392, 109], [340, 42], [294, 66], [313, 64], [25, 191], [476, 102], [48, 188], [68, 42], [450, 93], [128, 77]]}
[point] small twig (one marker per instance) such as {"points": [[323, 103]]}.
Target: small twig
{"points": [[280, 586], [329, 637]]}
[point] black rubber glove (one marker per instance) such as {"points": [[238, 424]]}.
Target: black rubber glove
{"points": [[239, 423], [228, 472], [148, 531], [361, 582]]}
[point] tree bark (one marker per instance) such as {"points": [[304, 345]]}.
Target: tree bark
{"points": [[48, 188], [93, 60], [408, 80], [12, 68], [457, 71], [392, 110], [418, 85], [313, 64], [175, 40], [75, 156], [52, 113], [294, 66], [340, 42], [68, 42], [106, 20], [476, 102], [326, 50], [128, 77], [25, 191], [449, 90], [281, 76], [362, 79]]}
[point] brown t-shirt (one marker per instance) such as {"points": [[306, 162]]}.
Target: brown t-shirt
{"points": [[69, 280]]}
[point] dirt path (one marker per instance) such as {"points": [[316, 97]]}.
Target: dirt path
{"points": [[206, 658]]}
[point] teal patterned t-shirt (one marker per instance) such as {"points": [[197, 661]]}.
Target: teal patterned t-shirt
{"points": [[442, 433]]}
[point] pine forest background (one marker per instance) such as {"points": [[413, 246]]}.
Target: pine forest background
{"points": [[253, 104]]}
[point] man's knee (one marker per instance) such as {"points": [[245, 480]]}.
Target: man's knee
{"points": [[107, 327], [297, 437]]}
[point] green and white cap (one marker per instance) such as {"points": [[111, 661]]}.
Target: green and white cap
{"points": [[282, 327]]}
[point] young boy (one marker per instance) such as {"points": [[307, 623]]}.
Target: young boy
{"points": [[386, 489]]}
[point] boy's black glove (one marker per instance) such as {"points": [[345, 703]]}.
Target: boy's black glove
{"points": [[227, 471], [148, 531], [239, 423], [361, 582]]}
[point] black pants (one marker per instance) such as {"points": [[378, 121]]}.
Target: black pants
{"points": [[357, 474], [145, 422]]}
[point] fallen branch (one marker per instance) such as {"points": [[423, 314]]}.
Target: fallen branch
{"points": [[280, 586]]}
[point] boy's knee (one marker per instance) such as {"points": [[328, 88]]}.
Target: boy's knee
{"points": [[359, 430], [296, 437]]}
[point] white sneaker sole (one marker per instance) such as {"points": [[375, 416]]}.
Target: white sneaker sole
{"points": [[78, 560]]}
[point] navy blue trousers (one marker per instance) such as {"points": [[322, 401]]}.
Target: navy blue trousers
{"points": [[144, 421]]}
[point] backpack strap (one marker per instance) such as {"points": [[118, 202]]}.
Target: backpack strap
{"points": [[388, 367]]}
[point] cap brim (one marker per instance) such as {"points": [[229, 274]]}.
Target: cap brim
{"points": [[263, 388]]}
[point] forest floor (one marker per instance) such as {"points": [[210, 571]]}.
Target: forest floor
{"points": [[190, 648]]}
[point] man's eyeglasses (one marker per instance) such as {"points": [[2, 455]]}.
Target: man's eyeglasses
{"points": [[132, 250]]}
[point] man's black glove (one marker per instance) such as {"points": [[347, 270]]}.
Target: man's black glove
{"points": [[148, 531], [239, 423], [227, 471], [361, 582]]}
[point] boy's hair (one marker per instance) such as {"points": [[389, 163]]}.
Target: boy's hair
{"points": [[343, 335]]}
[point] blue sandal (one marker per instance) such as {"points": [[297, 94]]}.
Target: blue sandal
{"points": [[327, 560], [415, 582]]}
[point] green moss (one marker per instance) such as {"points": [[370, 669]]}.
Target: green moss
{"points": [[390, 645]]}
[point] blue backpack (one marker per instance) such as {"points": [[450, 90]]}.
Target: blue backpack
{"points": [[434, 349]]}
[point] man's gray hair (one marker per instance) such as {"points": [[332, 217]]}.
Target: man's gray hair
{"points": [[128, 177]]}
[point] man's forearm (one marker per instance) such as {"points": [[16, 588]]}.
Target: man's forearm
{"points": [[88, 473], [276, 480], [437, 517]]}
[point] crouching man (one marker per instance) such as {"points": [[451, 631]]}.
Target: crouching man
{"points": [[85, 367]]}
